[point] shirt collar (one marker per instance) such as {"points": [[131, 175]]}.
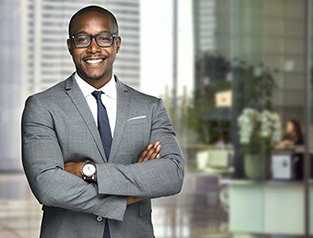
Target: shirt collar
{"points": [[109, 89]]}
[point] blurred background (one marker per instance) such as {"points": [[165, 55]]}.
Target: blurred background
{"points": [[236, 77]]}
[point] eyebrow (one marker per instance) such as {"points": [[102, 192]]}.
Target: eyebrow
{"points": [[83, 32]]}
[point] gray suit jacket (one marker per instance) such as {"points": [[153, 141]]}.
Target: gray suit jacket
{"points": [[58, 126]]}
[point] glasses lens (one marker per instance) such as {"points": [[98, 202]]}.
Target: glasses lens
{"points": [[81, 40], [104, 39]]}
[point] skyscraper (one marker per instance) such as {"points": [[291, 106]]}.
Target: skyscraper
{"points": [[10, 83], [204, 25]]}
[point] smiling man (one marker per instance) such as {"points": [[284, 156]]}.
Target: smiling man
{"points": [[95, 151], [93, 45]]}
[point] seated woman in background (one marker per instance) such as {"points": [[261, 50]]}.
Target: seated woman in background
{"points": [[293, 136]]}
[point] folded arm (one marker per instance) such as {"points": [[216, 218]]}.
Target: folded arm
{"points": [[151, 152], [149, 179], [44, 167]]}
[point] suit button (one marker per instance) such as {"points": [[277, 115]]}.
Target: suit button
{"points": [[99, 218]]}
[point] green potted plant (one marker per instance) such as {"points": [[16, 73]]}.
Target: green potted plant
{"points": [[259, 132]]}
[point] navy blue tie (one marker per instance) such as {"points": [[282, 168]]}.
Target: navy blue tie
{"points": [[103, 124], [106, 138]]}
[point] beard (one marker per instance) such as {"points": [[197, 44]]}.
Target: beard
{"points": [[95, 78], [92, 77]]}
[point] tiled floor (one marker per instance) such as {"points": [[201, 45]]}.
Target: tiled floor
{"points": [[197, 212]]}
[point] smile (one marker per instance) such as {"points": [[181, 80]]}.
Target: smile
{"points": [[93, 61]]}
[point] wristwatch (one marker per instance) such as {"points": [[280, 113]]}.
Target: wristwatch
{"points": [[89, 171]]}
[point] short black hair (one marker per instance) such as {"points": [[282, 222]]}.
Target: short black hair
{"points": [[93, 8]]}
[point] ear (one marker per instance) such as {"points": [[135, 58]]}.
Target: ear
{"points": [[69, 46], [118, 44]]}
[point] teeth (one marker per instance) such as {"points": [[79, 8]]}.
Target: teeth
{"points": [[93, 61]]}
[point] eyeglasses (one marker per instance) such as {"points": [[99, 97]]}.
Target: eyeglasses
{"points": [[103, 39]]}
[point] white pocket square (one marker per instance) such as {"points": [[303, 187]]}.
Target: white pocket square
{"points": [[136, 118]]}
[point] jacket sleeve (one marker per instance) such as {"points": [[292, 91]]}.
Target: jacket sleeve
{"points": [[44, 167], [153, 178]]}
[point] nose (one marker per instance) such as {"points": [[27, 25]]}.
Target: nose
{"points": [[93, 47]]}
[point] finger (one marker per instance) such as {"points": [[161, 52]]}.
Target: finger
{"points": [[140, 160], [149, 154], [158, 148], [143, 153], [156, 152], [146, 150], [152, 153], [156, 144]]}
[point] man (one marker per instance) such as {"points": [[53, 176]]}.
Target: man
{"points": [[91, 185]]}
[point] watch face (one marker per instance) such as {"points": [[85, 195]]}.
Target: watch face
{"points": [[89, 170]]}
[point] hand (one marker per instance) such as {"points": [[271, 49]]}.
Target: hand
{"points": [[285, 144], [74, 168], [132, 200], [151, 152]]}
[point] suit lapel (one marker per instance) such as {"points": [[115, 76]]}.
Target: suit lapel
{"points": [[74, 92], [123, 100]]}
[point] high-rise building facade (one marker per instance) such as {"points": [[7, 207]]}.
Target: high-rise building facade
{"points": [[48, 59], [10, 83], [204, 25]]}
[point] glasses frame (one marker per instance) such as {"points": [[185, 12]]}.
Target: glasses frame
{"points": [[114, 36]]}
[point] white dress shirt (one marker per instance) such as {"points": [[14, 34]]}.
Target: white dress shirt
{"points": [[108, 99]]}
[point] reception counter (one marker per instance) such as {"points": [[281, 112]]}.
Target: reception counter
{"points": [[270, 207]]}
